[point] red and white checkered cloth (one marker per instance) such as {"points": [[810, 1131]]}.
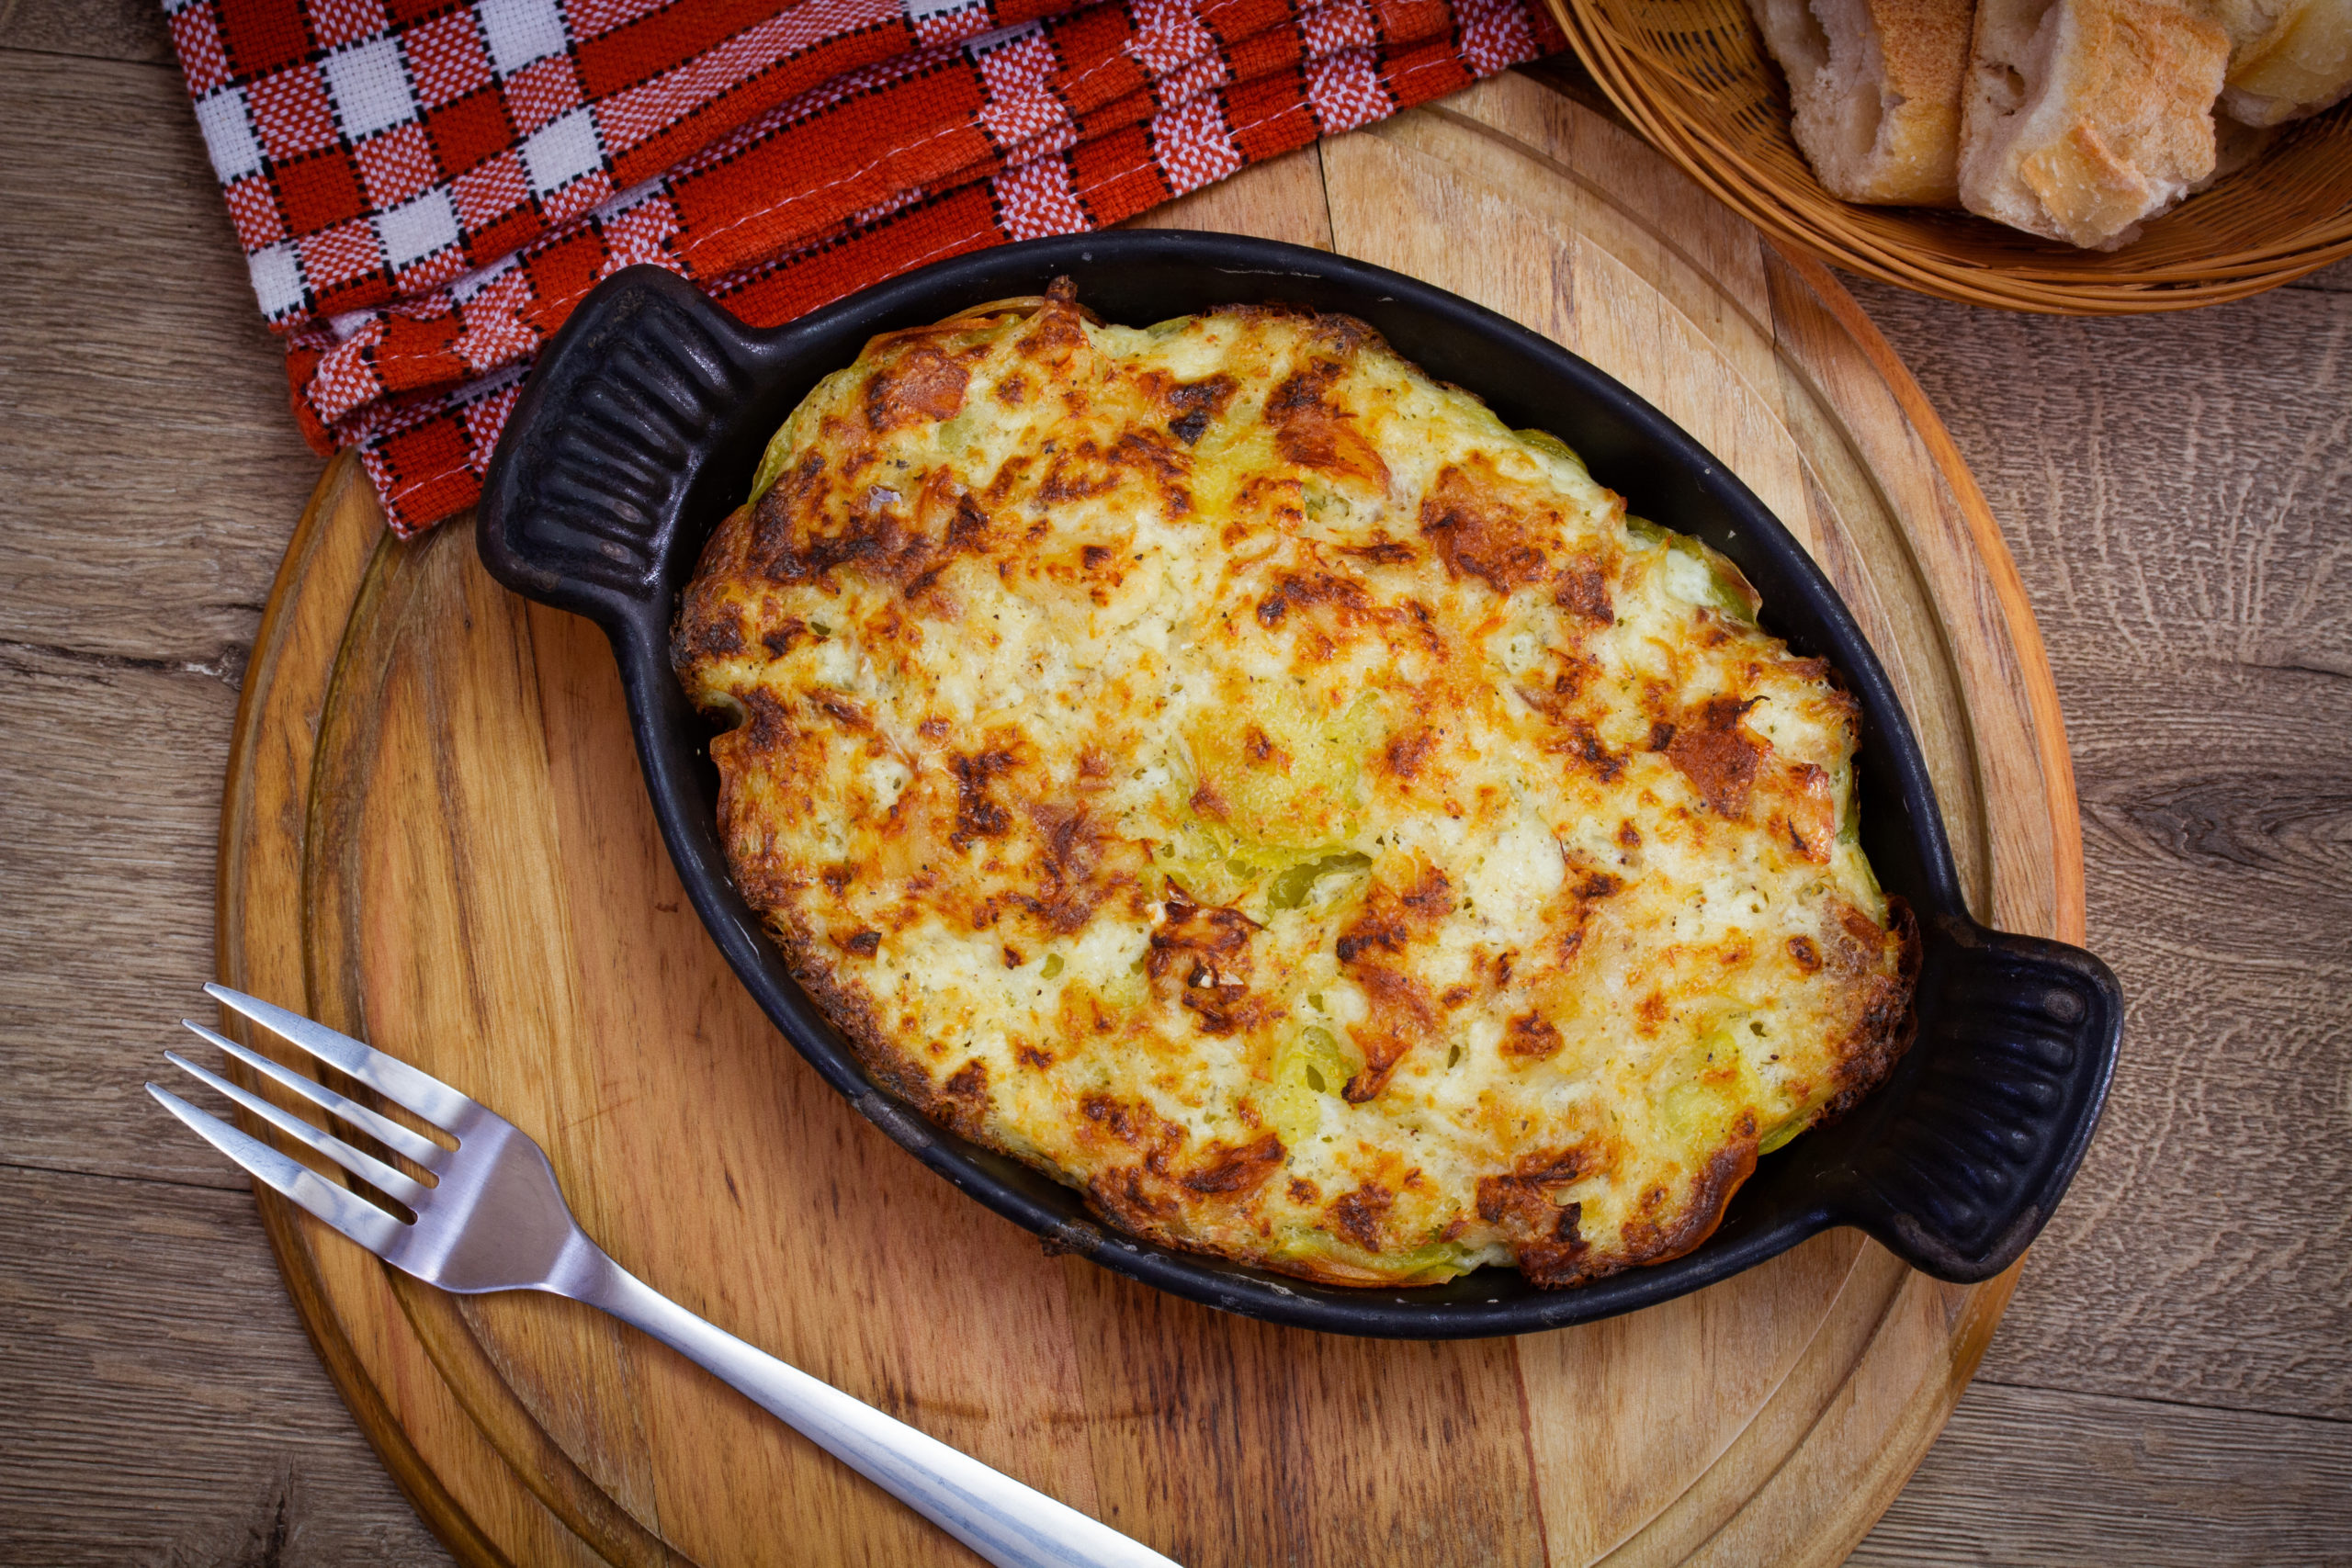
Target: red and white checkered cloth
{"points": [[423, 191]]}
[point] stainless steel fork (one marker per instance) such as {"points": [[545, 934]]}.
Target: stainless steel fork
{"points": [[494, 1219]]}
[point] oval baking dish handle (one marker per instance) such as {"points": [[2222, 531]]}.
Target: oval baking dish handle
{"points": [[1996, 1106], [590, 478]]}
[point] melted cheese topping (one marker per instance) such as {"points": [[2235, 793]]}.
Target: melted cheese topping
{"points": [[1228, 768]]}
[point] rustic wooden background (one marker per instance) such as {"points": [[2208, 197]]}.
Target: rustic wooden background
{"points": [[2173, 1383]]}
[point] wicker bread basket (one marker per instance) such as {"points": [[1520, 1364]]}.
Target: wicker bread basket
{"points": [[1693, 77]]}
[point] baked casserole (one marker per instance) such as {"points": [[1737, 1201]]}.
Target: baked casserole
{"points": [[1226, 768]]}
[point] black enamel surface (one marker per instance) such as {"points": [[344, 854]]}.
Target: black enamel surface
{"points": [[639, 430]]}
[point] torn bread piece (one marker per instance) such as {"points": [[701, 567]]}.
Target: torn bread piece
{"points": [[2083, 118], [2289, 59], [1876, 84]]}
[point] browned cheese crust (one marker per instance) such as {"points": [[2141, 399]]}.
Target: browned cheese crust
{"points": [[1239, 776]]}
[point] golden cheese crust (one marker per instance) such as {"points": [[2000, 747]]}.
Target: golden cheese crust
{"points": [[1237, 775]]}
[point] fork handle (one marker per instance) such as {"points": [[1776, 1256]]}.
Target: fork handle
{"points": [[1010, 1525]]}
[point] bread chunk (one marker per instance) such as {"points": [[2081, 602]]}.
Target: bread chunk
{"points": [[2289, 59], [2083, 118], [1876, 84]]}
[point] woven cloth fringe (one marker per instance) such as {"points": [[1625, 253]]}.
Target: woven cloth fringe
{"points": [[424, 191]]}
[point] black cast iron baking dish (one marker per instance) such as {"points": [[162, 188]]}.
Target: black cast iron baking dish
{"points": [[639, 430]]}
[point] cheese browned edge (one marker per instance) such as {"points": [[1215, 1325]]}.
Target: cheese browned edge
{"points": [[1235, 773]]}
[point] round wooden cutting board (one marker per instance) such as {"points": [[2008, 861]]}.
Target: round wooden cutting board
{"points": [[435, 836]]}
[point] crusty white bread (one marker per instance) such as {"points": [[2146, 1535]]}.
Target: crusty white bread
{"points": [[2288, 58], [1876, 84], [2083, 118]]}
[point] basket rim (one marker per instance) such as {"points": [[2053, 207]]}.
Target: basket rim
{"points": [[1627, 76]]}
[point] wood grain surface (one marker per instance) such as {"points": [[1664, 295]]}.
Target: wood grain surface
{"points": [[532, 946], [2169, 1384]]}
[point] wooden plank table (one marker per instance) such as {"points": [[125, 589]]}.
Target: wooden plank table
{"points": [[2174, 1379]]}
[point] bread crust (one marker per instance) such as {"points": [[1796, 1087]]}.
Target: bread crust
{"points": [[2083, 118], [1876, 87], [2289, 59]]}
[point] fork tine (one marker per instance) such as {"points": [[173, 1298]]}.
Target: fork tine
{"points": [[367, 1166], [388, 1076], [351, 1215], [383, 1129]]}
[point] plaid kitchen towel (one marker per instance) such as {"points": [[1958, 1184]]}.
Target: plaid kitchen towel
{"points": [[423, 191]]}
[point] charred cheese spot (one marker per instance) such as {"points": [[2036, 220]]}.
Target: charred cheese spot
{"points": [[1224, 1168], [1482, 532], [1195, 403], [924, 383], [1236, 773], [1357, 1215], [1719, 761], [1531, 1035]]}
